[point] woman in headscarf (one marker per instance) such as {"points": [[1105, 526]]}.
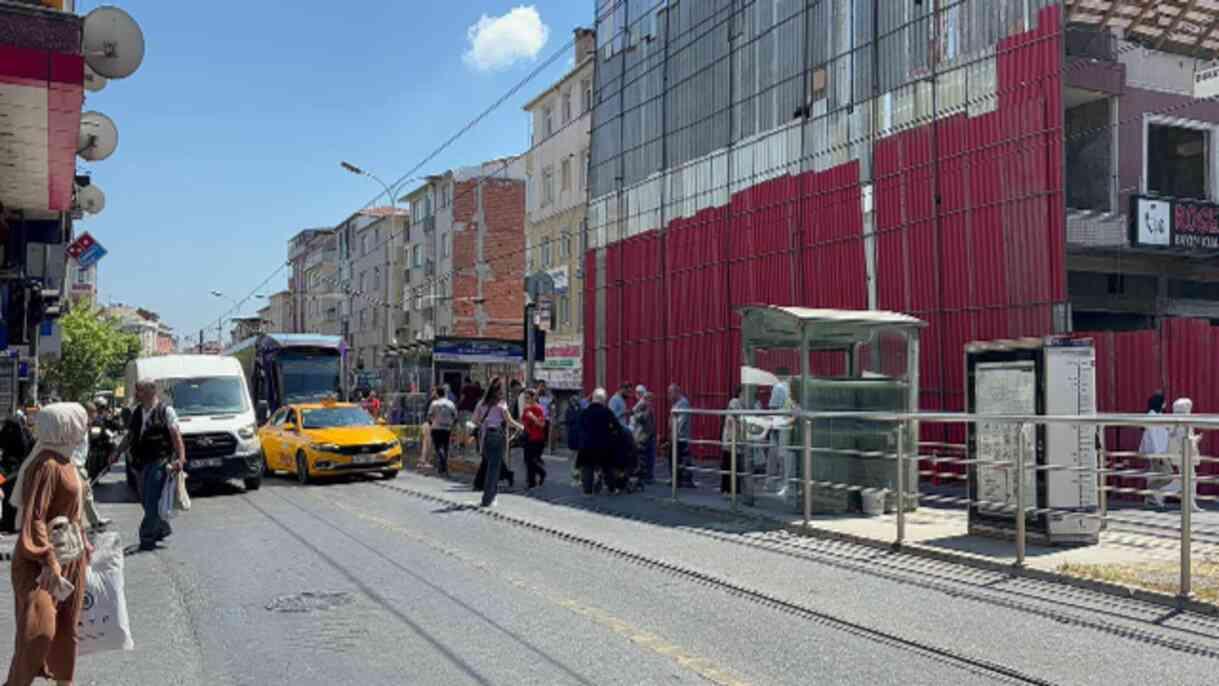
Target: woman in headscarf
{"points": [[1177, 438], [731, 430], [49, 488]]}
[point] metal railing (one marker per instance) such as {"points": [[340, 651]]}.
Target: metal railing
{"points": [[907, 452]]}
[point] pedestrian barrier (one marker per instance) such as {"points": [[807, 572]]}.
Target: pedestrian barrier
{"points": [[1008, 470]]}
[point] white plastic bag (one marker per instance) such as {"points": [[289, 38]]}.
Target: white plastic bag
{"points": [[103, 616], [169, 493], [182, 499]]}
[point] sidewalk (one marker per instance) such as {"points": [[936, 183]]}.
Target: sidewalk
{"points": [[1138, 553]]}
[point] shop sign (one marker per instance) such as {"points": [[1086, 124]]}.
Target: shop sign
{"points": [[1173, 223], [477, 351]]}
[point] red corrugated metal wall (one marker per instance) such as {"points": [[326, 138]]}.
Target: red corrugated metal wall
{"points": [[970, 236], [1179, 359]]}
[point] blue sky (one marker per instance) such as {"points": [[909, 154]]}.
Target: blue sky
{"points": [[230, 134]]}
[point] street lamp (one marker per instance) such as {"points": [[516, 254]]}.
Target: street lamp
{"points": [[393, 204]]}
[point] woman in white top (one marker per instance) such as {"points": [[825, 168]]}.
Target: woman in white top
{"points": [[494, 421], [1154, 449]]}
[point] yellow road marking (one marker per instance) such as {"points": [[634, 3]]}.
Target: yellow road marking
{"points": [[699, 665]]}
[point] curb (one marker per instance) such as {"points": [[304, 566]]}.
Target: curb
{"points": [[1108, 588]]}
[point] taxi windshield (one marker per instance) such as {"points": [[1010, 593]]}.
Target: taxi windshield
{"points": [[331, 417]]}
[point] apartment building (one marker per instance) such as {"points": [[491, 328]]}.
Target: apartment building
{"points": [[463, 257], [369, 287], [556, 170], [313, 255]]}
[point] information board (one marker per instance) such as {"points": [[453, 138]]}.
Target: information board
{"points": [[1004, 388], [1070, 382]]}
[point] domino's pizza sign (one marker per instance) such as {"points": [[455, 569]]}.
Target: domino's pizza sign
{"points": [[86, 250]]}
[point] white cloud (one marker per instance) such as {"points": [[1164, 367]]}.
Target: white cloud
{"points": [[500, 42]]}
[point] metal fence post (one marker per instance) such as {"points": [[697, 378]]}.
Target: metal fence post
{"points": [[900, 484], [1103, 480], [808, 473], [673, 446], [1187, 507], [732, 458], [1020, 468]]}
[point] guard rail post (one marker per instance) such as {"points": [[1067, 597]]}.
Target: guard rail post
{"points": [[1021, 446], [673, 450], [732, 457], [808, 473], [1103, 477], [1187, 506], [900, 484]]}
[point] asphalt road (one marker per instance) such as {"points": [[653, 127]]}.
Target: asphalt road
{"points": [[390, 583]]}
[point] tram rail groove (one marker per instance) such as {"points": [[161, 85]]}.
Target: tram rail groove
{"points": [[979, 666]]}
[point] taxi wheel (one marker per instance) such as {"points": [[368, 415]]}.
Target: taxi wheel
{"points": [[390, 475], [302, 469]]}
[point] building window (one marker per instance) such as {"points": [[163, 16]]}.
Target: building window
{"points": [[567, 107], [548, 121], [417, 256], [565, 244], [548, 186], [585, 168], [1177, 161], [375, 316], [565, 175], [545, 253], [376, 279], [363, 281], [444, 244], [586, 88], [564, 309]]}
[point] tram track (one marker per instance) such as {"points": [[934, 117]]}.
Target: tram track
{"points": [[972, 664]]}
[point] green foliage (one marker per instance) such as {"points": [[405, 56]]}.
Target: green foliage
{"points": [[95, 354]]}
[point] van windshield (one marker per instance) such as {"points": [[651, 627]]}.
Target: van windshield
{"points": [[205, 395]]}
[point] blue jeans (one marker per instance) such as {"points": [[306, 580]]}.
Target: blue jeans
{"points": [[647, 467], [495, 442], [153, 528]]}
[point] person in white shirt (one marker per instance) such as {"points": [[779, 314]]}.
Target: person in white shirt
{"points": [[782, 459], [1154, 449], [441, 415]]}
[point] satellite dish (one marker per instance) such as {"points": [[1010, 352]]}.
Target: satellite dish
{"points": [[94, 81], [98, 137], [90, 198], [113, 43]]}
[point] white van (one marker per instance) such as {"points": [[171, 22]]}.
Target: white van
{"points": [[210, 396]]}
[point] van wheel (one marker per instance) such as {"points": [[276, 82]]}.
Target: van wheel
{"points": [[253, 484], [302, 469], [390, 475]]}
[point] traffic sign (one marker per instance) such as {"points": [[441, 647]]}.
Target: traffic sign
{"points": [[86, 250]]}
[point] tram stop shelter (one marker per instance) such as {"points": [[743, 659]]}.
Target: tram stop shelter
{"points": [[833, 361]]}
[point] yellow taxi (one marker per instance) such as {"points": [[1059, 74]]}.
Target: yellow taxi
{"points": [[312, 440]]}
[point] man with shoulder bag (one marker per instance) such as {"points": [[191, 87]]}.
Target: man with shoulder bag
{"points": [[157, 453]]}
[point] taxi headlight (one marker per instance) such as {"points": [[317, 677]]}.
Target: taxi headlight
{"points": [[247, 432], [325, 447]]}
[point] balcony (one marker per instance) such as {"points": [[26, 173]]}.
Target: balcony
{"points": [[428, 225], [1090, 42]]}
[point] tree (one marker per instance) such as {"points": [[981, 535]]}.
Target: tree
{"points": [[95, 352]]}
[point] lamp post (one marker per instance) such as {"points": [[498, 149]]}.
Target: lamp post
{"points": [[391, 195]]}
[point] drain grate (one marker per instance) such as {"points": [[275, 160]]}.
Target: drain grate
{"points": [[310, 602]]}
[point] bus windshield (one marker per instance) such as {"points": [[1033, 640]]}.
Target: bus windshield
{"points": [[205, 395], [309, 375]]}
